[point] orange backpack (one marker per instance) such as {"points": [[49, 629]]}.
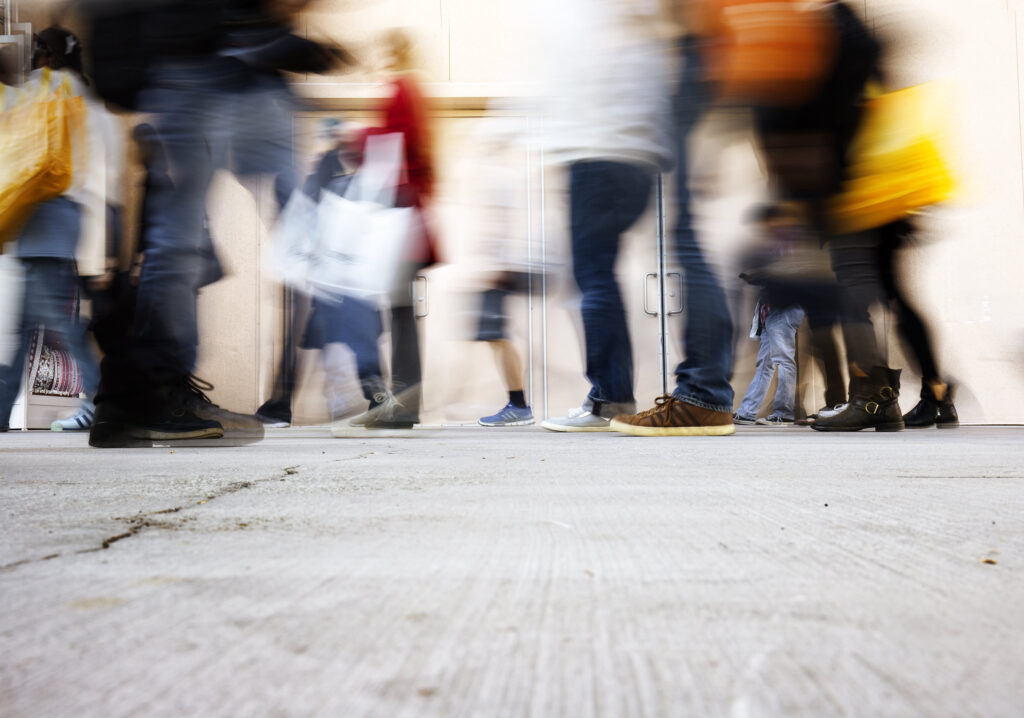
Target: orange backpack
{"points": [[769, 52]]}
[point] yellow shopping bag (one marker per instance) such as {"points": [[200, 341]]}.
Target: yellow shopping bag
{"points": [[36, 142], [896, 163]]}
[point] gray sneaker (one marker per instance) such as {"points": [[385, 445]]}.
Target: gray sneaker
{"points": [[579, 419], [774, 421]]}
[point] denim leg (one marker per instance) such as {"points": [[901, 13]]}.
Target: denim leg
{"points": [[763, 371], [188, 123], [702, 379], [780, 327], [606, 198], [10, 374], [48, 293], [262, 137], [361, 329]]}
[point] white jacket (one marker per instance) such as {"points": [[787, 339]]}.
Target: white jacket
{"points": [[606, 76]]}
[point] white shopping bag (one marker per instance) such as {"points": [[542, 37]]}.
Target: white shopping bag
{"points": [[362, 246], [294, 242], [362, 238]]}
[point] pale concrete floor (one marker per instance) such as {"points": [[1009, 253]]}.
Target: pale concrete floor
{"points": [[478, 572]]}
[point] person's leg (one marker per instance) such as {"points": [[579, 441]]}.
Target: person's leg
{"points": [[701, 404], [406, 370], [166, 324], [606, 198], [855, 262], [145, 392], [35, 295], [702, 379], [874, 387], [509, 364], [781, 327], [763, 371], [360, 328], [936, 402]]}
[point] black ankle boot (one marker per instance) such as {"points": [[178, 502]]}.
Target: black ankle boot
{"points": [[930, 411], [924, 412], [945, 415], [874, 404]]}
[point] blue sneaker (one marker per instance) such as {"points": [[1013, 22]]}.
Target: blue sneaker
{"points": [[510, 415]]}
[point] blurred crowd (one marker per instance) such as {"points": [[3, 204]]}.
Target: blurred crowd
{"points": [[622, 86]]}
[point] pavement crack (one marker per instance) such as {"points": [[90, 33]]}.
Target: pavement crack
{"points": [[143, 521]]}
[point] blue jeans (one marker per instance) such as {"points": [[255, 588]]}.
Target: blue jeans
{"points": [[606, 198], [49, 296], [777, 351], [702, 379], [204, 123]]}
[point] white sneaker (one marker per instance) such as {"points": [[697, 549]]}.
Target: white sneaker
{"points": [[579, 419], [829, 412]]}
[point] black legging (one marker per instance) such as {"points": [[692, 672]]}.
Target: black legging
{"points": [[865, 265]]}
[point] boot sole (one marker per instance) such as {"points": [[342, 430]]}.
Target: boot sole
{"points": [[114, 435], [634, 430], [848, 429]]}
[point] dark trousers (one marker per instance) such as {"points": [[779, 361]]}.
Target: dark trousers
{"points": [[606, 199]]}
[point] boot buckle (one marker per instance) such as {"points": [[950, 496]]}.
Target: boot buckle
{"points": [[887, 393], [872, 407]]}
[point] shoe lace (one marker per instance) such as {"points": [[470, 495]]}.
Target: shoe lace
{"points": [[198, 387], [662, 403]]}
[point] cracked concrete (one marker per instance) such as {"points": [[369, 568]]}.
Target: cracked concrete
{"points": [[505, 573]]}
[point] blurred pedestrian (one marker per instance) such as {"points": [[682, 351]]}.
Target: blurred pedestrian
{"points": [[65, 237], [211, 77], [607, 121], [406, 112], [702, 401], [775, 324]]}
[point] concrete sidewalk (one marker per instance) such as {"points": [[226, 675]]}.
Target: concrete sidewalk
{"points": [[494, 572]]}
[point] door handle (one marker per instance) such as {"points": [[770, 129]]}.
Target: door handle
{"points": [[675, 293], [647, 284], [420, 304]]}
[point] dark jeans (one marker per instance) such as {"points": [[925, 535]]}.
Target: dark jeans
{"points": [[702, 379], [606, 198], [206, 118]]}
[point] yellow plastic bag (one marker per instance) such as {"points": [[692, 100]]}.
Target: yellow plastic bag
{"points": [[896, 164], [36, 141]]}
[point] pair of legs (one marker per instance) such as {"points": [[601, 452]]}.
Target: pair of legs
{"points": [[48, 300], [203, 122], [46, 246], [777, 352], [701, 403], [356, 323]]}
